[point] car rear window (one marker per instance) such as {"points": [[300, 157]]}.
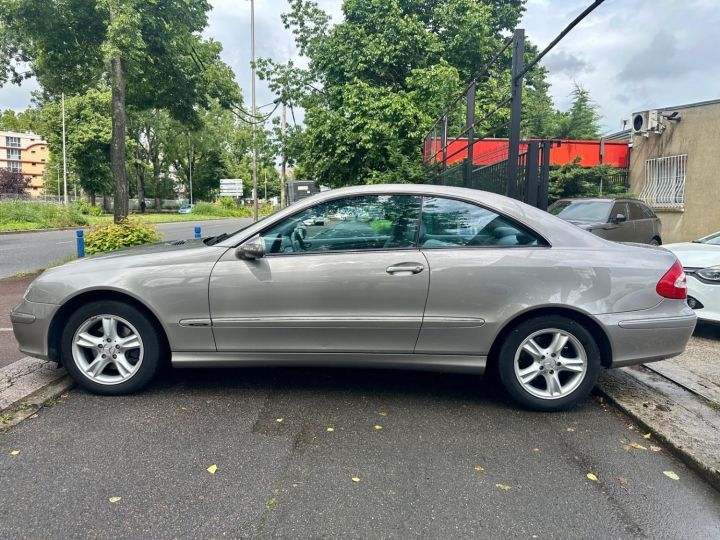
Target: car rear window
{"points": [[581, 210]]}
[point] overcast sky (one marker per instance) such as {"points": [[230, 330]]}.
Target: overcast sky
{"points": [[631, 55]]}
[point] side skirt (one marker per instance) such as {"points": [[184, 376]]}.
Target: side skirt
{"points": [[431, 362]]}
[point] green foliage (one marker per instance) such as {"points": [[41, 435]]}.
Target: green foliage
{"points": [[221, 209], [37, 215], [573, 180], [228, 203], [376, 81], [120, 235], [381, 226], [582, 121], [23, 121], [87, 209]]}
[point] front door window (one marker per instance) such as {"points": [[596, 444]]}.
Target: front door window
{"points": [[368, 222]]}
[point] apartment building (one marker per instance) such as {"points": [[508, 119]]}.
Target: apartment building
{"points": [[26, 153]]}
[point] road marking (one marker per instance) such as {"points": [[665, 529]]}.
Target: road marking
{"points": [[68, 242]]}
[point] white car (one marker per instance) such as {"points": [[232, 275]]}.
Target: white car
{"points": [[701, 261]]}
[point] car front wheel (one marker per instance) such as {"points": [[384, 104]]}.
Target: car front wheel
{"points": [[110, 348], [549, 363]]}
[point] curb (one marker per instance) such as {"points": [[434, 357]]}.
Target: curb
{"points": [[34, 402], [674, 416]]}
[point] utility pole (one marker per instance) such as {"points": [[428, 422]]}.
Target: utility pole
{"points": [[190, 168], [265, 175], [65, 195], [283, 174], [253, 117]]}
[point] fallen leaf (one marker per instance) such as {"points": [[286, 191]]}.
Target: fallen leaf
{"points": [[671, 475], [504, 487], [183, 408], [647, 435], [536, 449], [114, 499], [378, 427], [638, 446], [622, 480], [355, 479], [655, 448], [382, 413], [478, 468], [14, 452], [279, 420], [212, 469], [570, 429], [591, 476], [330, 429]]}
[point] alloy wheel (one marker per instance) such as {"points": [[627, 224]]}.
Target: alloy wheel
{"points": [[550, 363], [107, 349]]}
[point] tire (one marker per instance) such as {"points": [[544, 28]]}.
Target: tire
{"points": [[576, 374], [125, 368], [655, 241]]}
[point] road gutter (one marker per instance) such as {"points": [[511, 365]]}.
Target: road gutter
{"points": [[688, 425]]}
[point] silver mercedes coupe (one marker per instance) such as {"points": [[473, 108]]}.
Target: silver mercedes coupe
{"points": [[395, 276]]}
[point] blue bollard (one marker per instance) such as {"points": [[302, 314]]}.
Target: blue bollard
{"points": [[80, 243], [197, 232]]}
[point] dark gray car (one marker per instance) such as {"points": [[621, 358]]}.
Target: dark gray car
{"points": [[620, 220]]}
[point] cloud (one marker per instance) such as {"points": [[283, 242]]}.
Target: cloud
{"points": [[567, 63], [662, 58]]}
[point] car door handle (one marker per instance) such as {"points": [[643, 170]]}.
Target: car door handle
{"points": [[405, 269]]}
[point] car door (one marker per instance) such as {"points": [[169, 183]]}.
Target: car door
{"points": [[620, 231], [477, 258], [643, 226], [355, 283]]}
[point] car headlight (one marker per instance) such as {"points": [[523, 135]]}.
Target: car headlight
{"points": [[710, 274]]}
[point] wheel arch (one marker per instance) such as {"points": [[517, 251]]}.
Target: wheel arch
{"points": [[71, 304], [590, 324]]}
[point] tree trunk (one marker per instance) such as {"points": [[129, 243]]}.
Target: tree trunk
{"points": [[117, 147], [93, 197]]}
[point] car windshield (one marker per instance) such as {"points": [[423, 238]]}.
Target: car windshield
{"points": [[713, 240], [581, 210]]}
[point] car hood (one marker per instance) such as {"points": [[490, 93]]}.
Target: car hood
{"points": [[149, 249], [587, 225], [695, 255]]}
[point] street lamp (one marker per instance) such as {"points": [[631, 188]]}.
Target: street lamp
{"points": [[254, 112]]}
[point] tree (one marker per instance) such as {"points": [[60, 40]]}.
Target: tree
{"points": [[151, 53], [376, 81], [12, 183], [23, 121], [574, 180], [88, 136], [582, 121]]}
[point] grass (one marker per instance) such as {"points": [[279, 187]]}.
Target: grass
{"points": [[26, 216]]}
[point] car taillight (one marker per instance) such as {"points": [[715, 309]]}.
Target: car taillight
{"points": [[673, 284]]}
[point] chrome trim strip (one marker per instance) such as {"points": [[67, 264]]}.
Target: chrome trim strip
{"points": [[194, 322], [452, 322], [433, 362], [665, 322]]}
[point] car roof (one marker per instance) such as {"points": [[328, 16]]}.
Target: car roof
{"points": [[553, 229], [602, 199]]}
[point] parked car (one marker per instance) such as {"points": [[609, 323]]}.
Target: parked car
{"points": [[314, 220], [544, 302], [620, 220], [186, 209], [701, 261]]}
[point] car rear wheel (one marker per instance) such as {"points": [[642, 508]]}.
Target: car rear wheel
{"points": [[111, 348], [549, 363]]}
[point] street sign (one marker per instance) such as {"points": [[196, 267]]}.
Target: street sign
{"points": [[232, 187]]}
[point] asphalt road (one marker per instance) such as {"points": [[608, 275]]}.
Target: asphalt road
{"points": [[454, 459], [25, 252]]}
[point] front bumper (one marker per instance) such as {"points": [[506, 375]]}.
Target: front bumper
{"points": [[708, 294], [31, 324], [638, 337]]}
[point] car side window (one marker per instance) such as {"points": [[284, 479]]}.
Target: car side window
{"points": [[647, 212], [619, 208], [349, 224], [636, 211], [449, 223]]}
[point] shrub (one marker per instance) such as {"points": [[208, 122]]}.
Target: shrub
{"points": [[95, 211], [119, 235], [228, 203], [222, 209]]}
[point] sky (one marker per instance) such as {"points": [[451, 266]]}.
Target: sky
{"points": [[631, 55]]}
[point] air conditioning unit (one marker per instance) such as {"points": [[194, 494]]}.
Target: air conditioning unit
{"points": [[647, 122]]}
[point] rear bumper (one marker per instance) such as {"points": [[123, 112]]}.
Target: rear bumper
{"points": [[31, 323], [650, 335]]}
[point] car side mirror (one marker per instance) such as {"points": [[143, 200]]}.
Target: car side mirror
{"points": [[251, 250], [619, 218]]}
